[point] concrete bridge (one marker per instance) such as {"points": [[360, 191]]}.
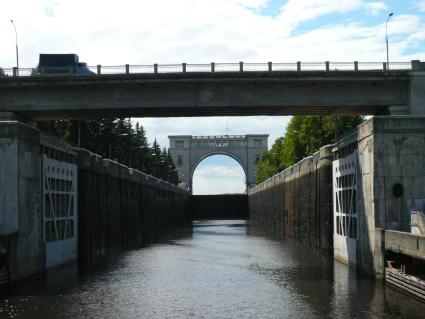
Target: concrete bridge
{"points": [[219, 89]]}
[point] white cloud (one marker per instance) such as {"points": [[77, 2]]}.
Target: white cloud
{"points": [[420, 4], [295, 12], [227, 177]]}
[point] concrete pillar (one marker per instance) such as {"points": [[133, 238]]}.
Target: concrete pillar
{"points": [[417, 92], [21, 197], [390, 152]]}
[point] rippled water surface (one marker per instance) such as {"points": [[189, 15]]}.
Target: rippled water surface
{"points": [[219, 271]]}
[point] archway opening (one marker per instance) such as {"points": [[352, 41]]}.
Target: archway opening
{"points": [[218, 174]]}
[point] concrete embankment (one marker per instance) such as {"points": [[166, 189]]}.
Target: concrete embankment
{"points": [[122, 208], [297, 203]]}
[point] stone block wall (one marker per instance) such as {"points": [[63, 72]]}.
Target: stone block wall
{"points": [[297, 203], [121, 208]]}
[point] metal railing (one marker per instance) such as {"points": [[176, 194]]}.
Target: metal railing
{"points": [[57, 143], [230, 67]]}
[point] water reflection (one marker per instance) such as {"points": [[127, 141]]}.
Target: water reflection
{"points": [[221, 271]]}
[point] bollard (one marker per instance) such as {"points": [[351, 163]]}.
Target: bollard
{"points": [[356, 66], [240, 66], [184, 67], [299, 66], [385, 66], [99, 69], [213, 67], [127, 69], [155, 68], [15, 71], [270, 65], [327, 66]]}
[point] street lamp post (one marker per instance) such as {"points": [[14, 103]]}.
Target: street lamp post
{"points": [[386, 38], [17, 52]]}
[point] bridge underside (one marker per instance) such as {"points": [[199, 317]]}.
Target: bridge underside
{"points": [[196, 94]]}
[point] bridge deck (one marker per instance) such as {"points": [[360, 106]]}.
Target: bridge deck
{"points": [[204, 94]]}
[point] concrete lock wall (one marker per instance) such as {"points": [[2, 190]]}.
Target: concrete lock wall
{"points": [[297, 203], [391, 157], [117, 207], [21, 237], [122, 208]]}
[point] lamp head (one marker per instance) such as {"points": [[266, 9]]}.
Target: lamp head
{"points": [[391, 14]]}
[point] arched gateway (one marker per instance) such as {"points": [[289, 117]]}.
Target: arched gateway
{"points": [[188, 151]]}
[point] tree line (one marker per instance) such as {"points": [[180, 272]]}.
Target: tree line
{"points": [[304, 136], [117, 139]]}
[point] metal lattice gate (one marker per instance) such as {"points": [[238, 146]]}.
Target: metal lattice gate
{"points": [[345, 208], [60, 212]]}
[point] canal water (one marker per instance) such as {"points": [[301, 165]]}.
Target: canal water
{"points": [[220, 270]]}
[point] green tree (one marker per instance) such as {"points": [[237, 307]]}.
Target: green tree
{"points": [[118, 139], [271, 163], [304, 136]]}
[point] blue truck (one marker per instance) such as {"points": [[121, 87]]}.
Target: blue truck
{"points": [[60, 64]]}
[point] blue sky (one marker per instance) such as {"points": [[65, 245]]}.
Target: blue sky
{"points": [[201, 31]]}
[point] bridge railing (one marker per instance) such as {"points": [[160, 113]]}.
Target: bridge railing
{"points": [[235, 67]]}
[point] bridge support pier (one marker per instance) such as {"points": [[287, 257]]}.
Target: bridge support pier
{"points": [[20, 197], [417, 92]]}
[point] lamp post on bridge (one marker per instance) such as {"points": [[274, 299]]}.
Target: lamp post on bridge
{"points": [[386, 38], [17, 52]]}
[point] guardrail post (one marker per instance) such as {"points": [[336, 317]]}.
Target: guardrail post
{"points": [[127, 69], [213, 67], [416, 65], [327, 66], [299, 66], [385, 66], [15, 71], [356, 66], [270, 66], [99, 69], [240, 66], [184, 67], [71, 70], [155, 68]]}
